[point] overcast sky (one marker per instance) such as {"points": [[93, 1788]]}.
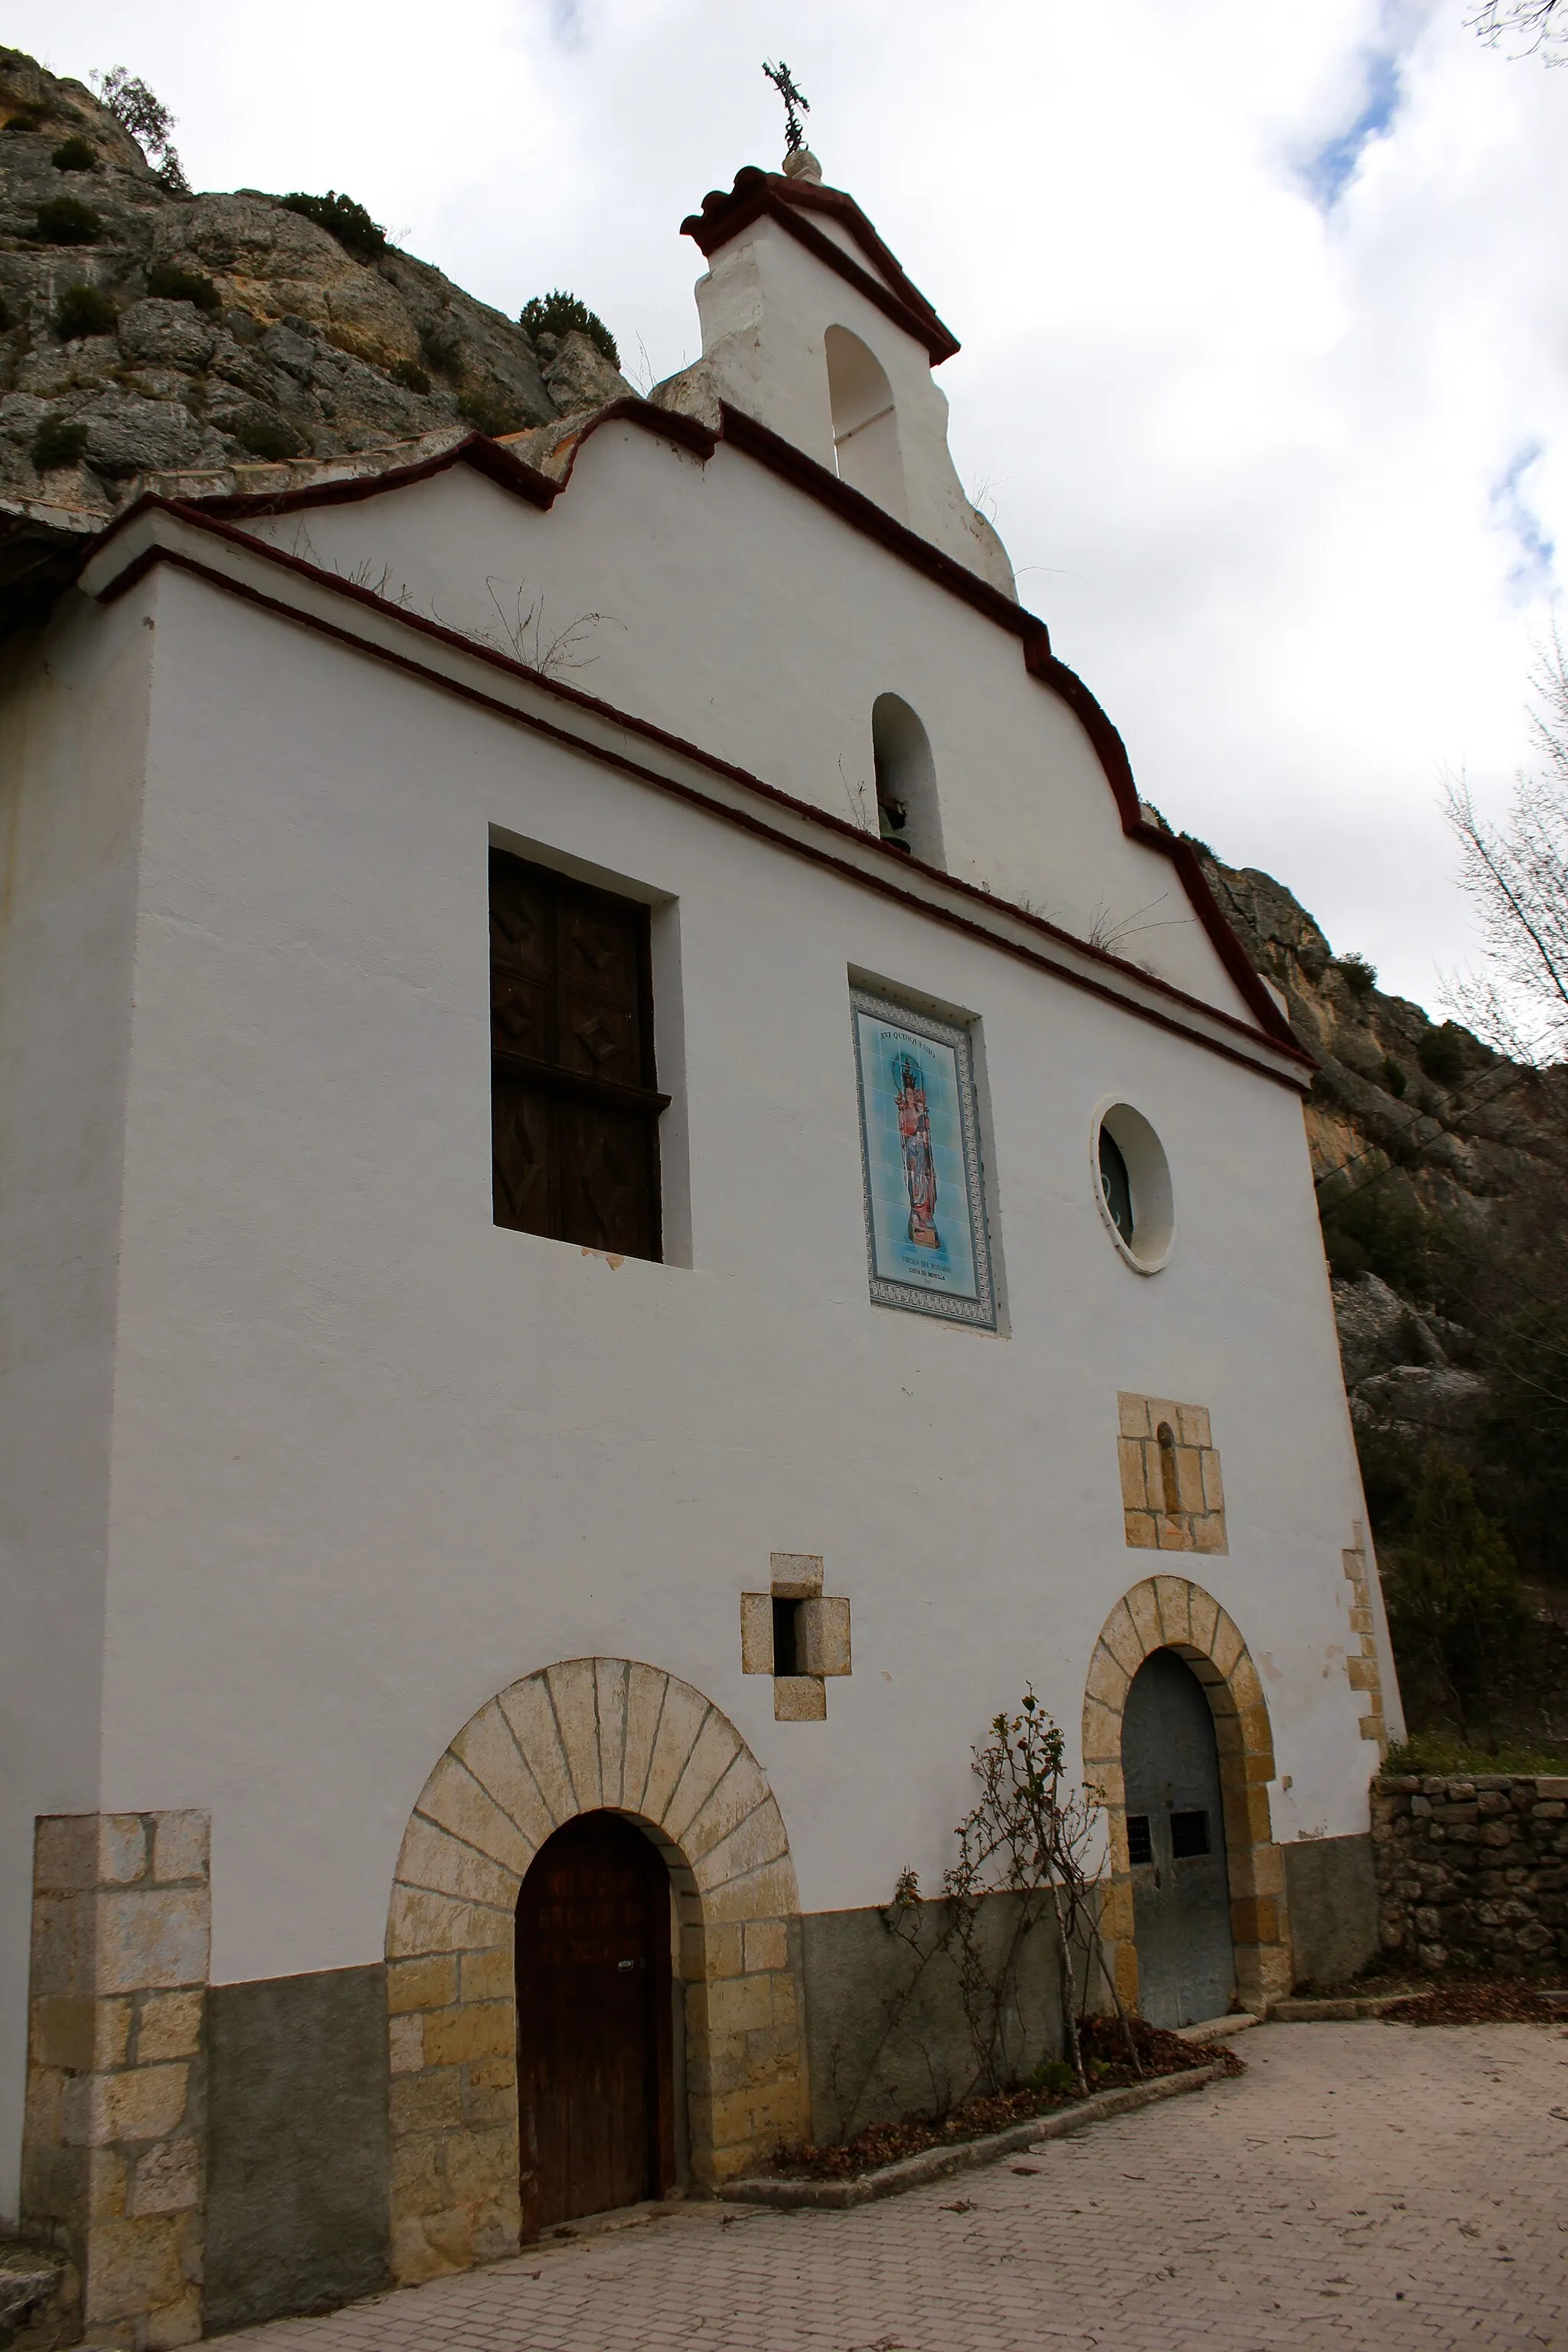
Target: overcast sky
{"points": [[1264, 313]]}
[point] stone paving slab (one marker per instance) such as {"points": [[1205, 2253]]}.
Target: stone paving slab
{"points": [[1364, 2188], [908, 2172]]}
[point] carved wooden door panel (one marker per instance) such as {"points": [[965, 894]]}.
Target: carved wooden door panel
{"points": [[594, 2020], [1175, 1842]]}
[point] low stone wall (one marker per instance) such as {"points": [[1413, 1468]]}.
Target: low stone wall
{"points": [[1473, 1871]]}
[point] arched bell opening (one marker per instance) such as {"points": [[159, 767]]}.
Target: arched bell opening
{"points": [[908, 815], [865, 421]]}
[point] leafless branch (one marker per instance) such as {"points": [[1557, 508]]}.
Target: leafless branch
{"points": [[1516, 876], [1541, 24], [522, 636]]}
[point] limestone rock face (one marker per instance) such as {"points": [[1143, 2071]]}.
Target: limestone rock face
{"points": [[577, 374], [1417, 1123], [287, 344]]}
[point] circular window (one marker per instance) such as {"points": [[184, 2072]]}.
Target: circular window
{"points": [[1133, 1185]]}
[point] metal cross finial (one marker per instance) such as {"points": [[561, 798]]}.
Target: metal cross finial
{"points": [[795, 104]]}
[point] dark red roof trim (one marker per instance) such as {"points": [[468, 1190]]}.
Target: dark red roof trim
{"points": [[805, 473], [887, 887], [781, 456], [492, 458], [785, 201], [485, 455], [864, 515], [202, 520]]}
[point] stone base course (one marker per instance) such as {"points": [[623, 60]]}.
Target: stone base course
{"points": [[1361, 2189], [1474, 1870]]}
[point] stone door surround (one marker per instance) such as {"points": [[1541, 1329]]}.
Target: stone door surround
{"points": [[1168, 1613], [581, 1735]]}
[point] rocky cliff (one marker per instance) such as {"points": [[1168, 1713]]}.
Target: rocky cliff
{"points": [[144, 330], [1442, 1176]]}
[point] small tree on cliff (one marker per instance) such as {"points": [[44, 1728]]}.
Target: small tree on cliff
{"points": [[137, 109], [1516, 873]]}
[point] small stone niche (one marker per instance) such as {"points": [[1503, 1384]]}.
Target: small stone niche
{"points": [[797, 1633], [1171, 1496]]}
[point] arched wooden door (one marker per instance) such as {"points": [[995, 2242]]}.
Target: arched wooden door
{"points": [[593, 2023], [1176, 1844]]}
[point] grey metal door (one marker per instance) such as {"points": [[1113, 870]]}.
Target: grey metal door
{"points": [[1175, 1842]]}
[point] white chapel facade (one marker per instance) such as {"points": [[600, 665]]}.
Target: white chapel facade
{"points": [[600, 1271]]}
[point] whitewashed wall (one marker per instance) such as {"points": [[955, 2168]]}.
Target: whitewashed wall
{"points": [[766, 304], [374, 1456], [740, 615], [369, 1457], [74, 748]]}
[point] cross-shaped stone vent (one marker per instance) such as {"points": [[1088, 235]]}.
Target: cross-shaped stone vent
{"points": [[797, 1633]]}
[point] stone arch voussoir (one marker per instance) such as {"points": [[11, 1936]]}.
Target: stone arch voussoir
{"points": [[581, 1735], [1170, 1612]]}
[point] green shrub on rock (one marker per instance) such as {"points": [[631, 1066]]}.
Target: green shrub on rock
{"points": [[268, 437], [1441, 1055], [560, 313], [1359, 976], [1456, 1605], [342, 218], [74, 155], [1377, 1226], [167, 282], [58, 441], [441, 348], [410, 375], [65, 220], [491, 418], [84, 311]]}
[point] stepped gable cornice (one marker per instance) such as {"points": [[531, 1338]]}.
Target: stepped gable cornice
{"points": [[790, 203], [780, 458]]}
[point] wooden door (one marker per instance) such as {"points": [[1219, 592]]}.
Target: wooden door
{"points": [[1175, 1844], [593, 2023]]}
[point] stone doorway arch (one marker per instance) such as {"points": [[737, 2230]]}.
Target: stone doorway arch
{"points": [[1169, 1612], [581, 1735]]}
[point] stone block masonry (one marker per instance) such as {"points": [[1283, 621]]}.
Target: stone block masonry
{"points": [[1171, 1496], [112, 2161], [1474, 1872], [1362, 1665], [584, 1733]]}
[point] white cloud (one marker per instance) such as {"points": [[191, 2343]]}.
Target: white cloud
{"points": [[1266, 333]]}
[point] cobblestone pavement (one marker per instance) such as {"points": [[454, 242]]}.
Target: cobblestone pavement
{"points": [[1365, 2187]]}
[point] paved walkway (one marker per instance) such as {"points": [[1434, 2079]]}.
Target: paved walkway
{"points": [[1365, 2187]]}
